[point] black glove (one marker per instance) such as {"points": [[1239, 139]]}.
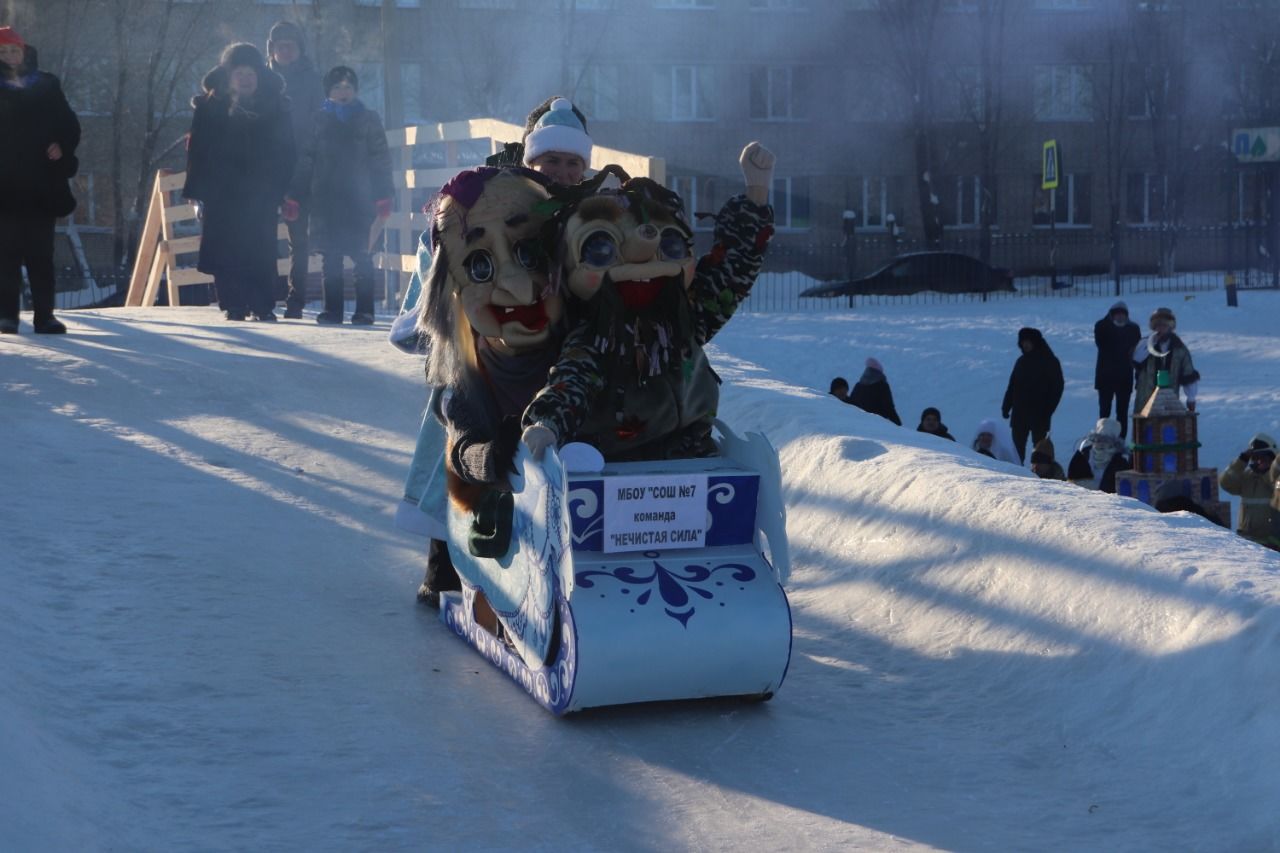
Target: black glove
{"points": [[1244, 457]]}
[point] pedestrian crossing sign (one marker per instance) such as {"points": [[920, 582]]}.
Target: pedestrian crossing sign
{"points": [[1051, 166]]}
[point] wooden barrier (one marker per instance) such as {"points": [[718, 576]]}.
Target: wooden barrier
{"points": [[161, 250]]}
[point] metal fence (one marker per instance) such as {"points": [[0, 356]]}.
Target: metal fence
{"points": [[1064, 263]]}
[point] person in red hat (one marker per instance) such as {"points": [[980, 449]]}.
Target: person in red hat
{"points": [[37, 159]]}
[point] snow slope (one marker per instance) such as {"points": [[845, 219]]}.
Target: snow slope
{"points": [[210, 639]]}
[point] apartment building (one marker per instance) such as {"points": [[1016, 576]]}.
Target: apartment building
{"points": [[861, 99]]}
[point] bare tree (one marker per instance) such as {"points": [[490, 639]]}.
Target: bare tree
{"points": [[909, 54], [985, 107], [1160, 95], [1108, 53]]}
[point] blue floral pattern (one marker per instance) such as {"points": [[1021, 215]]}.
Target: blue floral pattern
{"points": [[676, 588]]}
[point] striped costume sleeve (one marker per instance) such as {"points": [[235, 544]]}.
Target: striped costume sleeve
{"points": [[573, 385], [725, 275]]}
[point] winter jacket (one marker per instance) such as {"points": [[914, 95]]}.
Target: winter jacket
{"points": [[32, 118], [666, 416], [239, 163], [1080, 471], [941, 433], [343, 168], [1114, 370], [1258, 519], [305, 90], [1175, 358], [872, 394], [1035, 385]]}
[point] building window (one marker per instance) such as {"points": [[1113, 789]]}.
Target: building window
{"points": [[1063, 93], [1145, 197], [874, 197], [775, 93], [1069, 206], [596, 92], [684, 93], [959, 200], [1249, 192], [790, 200]]}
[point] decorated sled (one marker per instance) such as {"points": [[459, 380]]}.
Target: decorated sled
{"points": [[633, 582]]}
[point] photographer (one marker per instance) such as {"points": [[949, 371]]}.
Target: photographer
{"points": [[1252, 477]]}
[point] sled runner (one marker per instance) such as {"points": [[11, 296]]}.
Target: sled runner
{"points": [[637, 582]]}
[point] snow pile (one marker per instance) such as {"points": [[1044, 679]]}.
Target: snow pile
{"points": [[210, 636]]}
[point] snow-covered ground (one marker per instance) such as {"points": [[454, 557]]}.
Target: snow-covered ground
{"points": [[210, 641]]}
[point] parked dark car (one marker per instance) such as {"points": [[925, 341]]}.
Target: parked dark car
{"points": [[943, 272]]}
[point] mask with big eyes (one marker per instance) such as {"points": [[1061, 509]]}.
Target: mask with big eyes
{"points": [[499, 271], [640, 255]]}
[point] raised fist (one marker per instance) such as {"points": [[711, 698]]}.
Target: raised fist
{"points": [[757, 165]]}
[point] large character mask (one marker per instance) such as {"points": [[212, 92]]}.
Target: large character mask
{"points": [[490, 275], [627, 259]]}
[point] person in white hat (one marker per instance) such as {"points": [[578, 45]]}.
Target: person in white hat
{"points": [[1164, 350], [556, 142]]}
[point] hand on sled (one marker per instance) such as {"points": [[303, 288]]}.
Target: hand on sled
{"points": [[757, 170], [538, 438]]}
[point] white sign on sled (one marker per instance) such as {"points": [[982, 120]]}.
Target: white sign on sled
{"points": [[654, 513]]}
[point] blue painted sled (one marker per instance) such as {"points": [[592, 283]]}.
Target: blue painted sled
{"points": [[583, 627]]}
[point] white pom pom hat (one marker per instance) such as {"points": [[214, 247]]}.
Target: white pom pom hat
{"points": [[558, 130]]}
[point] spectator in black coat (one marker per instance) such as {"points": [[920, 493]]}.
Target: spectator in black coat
{"points": [[871, 393], [1115, 336], [39, 133], [344, 176], [931, 422], [240, 158], [840, 389], [287, 56], [1035, 388]]}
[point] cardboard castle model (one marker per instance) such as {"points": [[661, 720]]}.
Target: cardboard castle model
{"points": [[1166, 450]]}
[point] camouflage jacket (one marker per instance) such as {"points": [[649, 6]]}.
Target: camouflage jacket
{"points": [[667, 416]]}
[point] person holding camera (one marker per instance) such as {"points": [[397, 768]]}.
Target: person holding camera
{"points": [[1252, 476]]}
